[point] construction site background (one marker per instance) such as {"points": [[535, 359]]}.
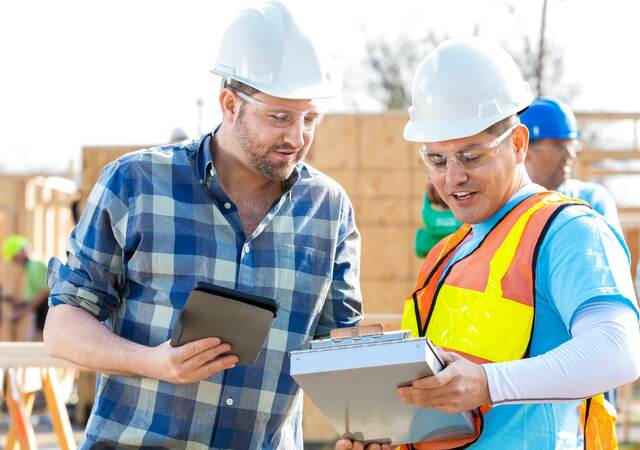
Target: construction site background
{"points": [[385, 180]]}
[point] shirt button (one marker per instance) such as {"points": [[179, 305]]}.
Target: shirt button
{"points": [[246, 248], [229, 401], [211, 172], [227, 205]]}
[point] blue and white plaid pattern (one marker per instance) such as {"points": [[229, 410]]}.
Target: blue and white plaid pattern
{"points": [[154, 226]]}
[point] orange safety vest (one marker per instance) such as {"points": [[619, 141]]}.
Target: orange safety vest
{"points": [[483, 308]]}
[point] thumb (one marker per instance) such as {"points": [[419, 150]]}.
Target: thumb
{"points": [[448, 357]]}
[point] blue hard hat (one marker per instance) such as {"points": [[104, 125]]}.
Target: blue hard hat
{"points": [[548, 118]]}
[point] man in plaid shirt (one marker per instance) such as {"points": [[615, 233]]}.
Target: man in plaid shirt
{"points": [[237, 208]]}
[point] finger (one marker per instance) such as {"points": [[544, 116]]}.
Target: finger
{"points": [[445, 400], [448, 357], [205, 357], [344, 444], [436, 381], [191, 349], [215, 366]]}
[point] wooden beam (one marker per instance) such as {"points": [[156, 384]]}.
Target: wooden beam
{"points": [[57, 409], [602, 172], [594, 154], [605, 115], [28, 354]]}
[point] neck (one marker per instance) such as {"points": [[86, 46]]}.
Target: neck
{"points": [[234, 175], [521, 180]]}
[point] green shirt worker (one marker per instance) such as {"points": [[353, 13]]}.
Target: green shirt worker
{"points": [[29, 312]]}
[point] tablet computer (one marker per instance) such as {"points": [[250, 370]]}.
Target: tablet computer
{"points": [[240, 319]]}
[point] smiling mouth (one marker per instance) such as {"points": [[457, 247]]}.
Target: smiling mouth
{"points": [[462, 195]]}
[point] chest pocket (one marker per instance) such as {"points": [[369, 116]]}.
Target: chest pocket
{"points": [[304, 274]]}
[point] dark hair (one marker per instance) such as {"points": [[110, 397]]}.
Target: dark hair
{"points": [[500, 127], [236, 85]]}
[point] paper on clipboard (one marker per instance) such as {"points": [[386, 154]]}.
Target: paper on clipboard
{"points": [[353, 382]]}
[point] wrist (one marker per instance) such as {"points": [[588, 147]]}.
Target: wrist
{"points": [[486, 370]]}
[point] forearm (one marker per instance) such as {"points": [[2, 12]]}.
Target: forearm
{"points": [[73, 334], [601, 355]]}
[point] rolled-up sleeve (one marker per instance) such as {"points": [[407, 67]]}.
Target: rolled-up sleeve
{"points": [[343, 306], [93, 274]]}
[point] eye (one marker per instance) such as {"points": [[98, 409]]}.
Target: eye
{"points": [[469, 156], [437, 159], [310, 119], [281, 117]]}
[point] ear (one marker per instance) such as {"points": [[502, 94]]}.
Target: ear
{"points": [[521, 142], [228, 105]]}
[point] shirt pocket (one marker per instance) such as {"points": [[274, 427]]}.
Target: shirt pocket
{"points": [[303, 270], [303, 279]]}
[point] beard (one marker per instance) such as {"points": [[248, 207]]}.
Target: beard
{"points": [[258, 159]]}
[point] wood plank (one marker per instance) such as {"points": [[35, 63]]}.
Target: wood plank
{"points": [[28, 354], [595, 154], [57, 409], [19, 418]]}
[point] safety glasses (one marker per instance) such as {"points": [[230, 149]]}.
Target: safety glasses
{"points": [[283, 117], [470, 157]]}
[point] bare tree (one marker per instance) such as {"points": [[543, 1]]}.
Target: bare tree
{"points": [[389, 64], [541, 63]]}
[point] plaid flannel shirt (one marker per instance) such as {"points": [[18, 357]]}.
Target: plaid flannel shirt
{"points": [[156, 223]]}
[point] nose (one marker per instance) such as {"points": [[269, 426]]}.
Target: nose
{"points": [[294, 134], [455, 173]]}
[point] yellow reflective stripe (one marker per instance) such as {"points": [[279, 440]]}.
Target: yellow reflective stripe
{"points": [[480, 324], [409, 319], [506, 252]]}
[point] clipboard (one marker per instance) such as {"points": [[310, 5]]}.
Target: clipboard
{"points": [[240, 319], [352, 379]]}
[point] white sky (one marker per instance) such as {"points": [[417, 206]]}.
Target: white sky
{"points": [[76, 73]]}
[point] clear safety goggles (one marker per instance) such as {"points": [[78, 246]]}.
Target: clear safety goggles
{"points": [[470, 157], [284, 117]]}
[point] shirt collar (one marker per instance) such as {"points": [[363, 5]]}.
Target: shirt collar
{"points": [[483, 228]]}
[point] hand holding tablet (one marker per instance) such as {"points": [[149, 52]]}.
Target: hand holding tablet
{"points": [[237, 318]]}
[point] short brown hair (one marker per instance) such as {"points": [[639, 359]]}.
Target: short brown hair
{"points": [[236, 85], [500, 127]]}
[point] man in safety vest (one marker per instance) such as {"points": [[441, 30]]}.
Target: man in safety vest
{"points": [[553, 147], [531, 299]]}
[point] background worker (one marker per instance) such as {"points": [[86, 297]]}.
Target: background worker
{"points": [[553, 146], [438, 219], [531, 320], [238, 208], [29, 312]]}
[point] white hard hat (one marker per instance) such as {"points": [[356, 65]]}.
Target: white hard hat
{"points": [[265, 49], [462, 88]]}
